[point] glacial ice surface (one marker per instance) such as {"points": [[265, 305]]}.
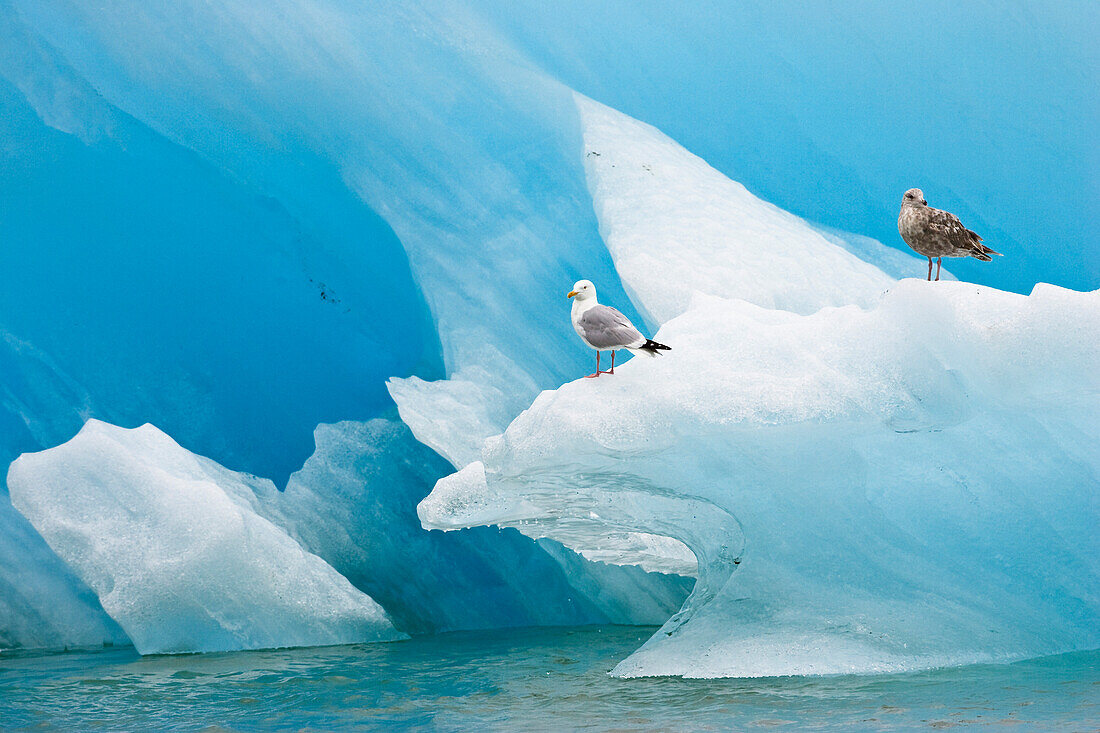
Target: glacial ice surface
{"points": [[901, 483], [173, 547]]}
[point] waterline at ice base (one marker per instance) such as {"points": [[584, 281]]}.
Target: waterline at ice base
{"points": [[286, 357]]}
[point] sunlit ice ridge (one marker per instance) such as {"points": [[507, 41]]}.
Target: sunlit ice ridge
{"points": [[260, 227]]}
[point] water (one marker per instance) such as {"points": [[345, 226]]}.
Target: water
{"points": [[541, 679]]}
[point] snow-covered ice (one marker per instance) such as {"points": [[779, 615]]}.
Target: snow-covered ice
{"points": [[171, 543]]}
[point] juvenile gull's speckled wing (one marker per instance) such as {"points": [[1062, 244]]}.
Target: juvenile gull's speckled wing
{"points": [[946, 227], [603, 327]]}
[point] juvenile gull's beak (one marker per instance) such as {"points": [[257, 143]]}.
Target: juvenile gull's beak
{"points": [[571, 293]]}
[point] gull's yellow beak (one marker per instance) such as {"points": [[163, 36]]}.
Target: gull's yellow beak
{"points": [[571, 293]]}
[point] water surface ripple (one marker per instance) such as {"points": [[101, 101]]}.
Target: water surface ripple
{"points": [[541, 679]]}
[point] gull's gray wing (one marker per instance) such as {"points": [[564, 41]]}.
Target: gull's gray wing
{"points": [[603, 327]]}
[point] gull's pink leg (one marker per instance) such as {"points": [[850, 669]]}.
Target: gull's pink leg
{"points": [[929, 269], [590, 376], [939, 263], [612, 363]]}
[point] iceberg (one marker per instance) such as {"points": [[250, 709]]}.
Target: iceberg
{"points": [[907, 486], [172, 545], [903, 482], [257, 219]]}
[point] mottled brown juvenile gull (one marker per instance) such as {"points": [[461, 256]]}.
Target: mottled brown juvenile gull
{"points": [[603, 328], [935, 233]]}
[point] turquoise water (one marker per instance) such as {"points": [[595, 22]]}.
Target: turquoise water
{"points": [[543, 679]]}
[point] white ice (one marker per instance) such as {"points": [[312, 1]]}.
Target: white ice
{"points": [[172, 545], [676, 226]]}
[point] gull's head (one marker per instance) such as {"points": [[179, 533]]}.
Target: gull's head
{"points": [[914, 197], [582, 290]]}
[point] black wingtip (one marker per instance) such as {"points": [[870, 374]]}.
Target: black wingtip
{"points": [[652, 346]]}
